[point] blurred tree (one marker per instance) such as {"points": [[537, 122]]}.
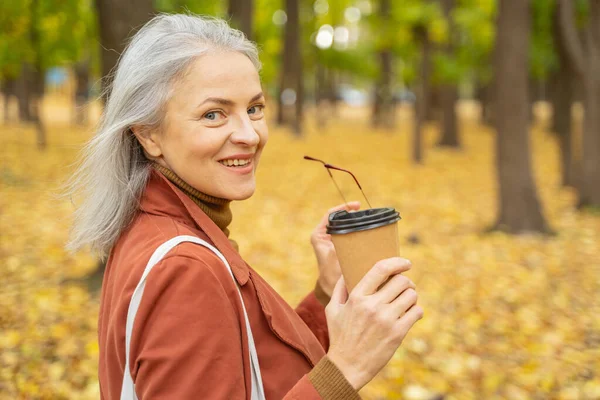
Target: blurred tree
{"points": [[15, 50], [449, 91], [81, 72], [542, 52], [36, 35], [117, 20], [35, 72], [268, 31], [421, 93], [216, 8], [583, 49], [8, 92], [427, 27], [475, 25], [383, 101], [519, 207], [241, 13], [351, 58], [561, 95], [291, 85]]}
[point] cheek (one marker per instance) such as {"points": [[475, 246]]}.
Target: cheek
{"points": [[263, 131], [205, 145]]}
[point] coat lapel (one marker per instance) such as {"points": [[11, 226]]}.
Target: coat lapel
{"points": [[285, 323]]}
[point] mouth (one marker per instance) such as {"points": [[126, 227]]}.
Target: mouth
{"points": [[240, 163]]}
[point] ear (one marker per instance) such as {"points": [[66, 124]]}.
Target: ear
{"points": [[149, 139]]}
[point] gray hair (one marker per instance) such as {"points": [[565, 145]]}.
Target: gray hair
{"points": [[113, 170]]}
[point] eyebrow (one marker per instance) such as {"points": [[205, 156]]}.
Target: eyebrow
{"points": [[227, 102]]}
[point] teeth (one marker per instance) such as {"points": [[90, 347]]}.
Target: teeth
{"points": [[236, 163]]}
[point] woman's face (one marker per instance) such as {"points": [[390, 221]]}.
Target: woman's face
{"points": [[214, 128]]}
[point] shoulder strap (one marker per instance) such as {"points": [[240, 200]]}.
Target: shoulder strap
{"points": [[128, 387]]}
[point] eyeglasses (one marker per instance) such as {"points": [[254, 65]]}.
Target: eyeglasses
{"points": [[328, 167]]}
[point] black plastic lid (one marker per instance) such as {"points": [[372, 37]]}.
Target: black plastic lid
{"points": [[341, 222]]}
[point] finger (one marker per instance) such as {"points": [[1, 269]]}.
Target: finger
{"points": [[404, 302], [380, 273], [353, 205], [340, 292], [393, 288], [407, 321]]}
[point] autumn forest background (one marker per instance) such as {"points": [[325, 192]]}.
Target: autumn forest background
{"points": [[478, 120]]}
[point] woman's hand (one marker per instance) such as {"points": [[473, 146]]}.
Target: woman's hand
{"points": [[367, 326], [329, 266]]}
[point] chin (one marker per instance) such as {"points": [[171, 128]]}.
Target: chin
{"points": [[240, 195]]}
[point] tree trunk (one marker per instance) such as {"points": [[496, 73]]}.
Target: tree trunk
{"points": [[332, 94], [241, 13], [291, 80], [485, 97], [536, 94], [434, 103], [589, 194], [36, 110], [81, 95], [8, 91], [561, 95], [584, 54], [383, 105], [561, 99], [421, 91], [449, 137], [520, 209], [23, 92], [37, 77], [118, 20], [299, 98], [449, 93], [320, 91], [383, 113]]}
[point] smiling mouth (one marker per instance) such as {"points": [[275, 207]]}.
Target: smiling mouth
{"points": [[236, 163]]}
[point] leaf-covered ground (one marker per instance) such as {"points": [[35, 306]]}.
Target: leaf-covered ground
{"points": [[505, 317]]}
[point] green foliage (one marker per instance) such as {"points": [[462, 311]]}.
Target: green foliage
{"points": [[201, 7], [14, 37], [268, 36], [66, 30], [542, 55], [68, 34], [476, 31], [357, 62]]}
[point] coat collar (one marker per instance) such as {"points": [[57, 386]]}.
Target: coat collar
{"points": [[161, 197]]}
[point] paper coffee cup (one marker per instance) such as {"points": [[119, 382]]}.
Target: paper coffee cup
{"points": [[362, 238]]}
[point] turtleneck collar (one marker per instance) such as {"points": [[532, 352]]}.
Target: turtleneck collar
{"points": [[217, 209]]}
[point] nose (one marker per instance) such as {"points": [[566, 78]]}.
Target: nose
{"points": [[244, 133]]}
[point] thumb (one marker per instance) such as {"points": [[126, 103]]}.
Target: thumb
{"points": [[340, 292]]}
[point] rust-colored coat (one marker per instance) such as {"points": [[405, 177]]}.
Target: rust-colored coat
{"points": [[189, 337]]}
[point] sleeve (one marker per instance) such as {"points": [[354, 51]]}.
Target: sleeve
{"points": [[312, 312], [186, 340]]}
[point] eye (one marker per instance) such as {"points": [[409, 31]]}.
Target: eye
{"points": [[256, 110], [214, 116]]}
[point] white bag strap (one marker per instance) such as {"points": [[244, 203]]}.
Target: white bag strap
{"points": [[128, 387]]}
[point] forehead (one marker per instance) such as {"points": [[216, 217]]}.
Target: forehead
{"points": [[221, 74]]}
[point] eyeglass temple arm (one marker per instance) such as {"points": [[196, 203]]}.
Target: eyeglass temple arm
{"points": [[328, 166], [330, 175]]}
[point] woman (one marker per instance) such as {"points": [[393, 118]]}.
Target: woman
{"points": [[181, 137]]}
